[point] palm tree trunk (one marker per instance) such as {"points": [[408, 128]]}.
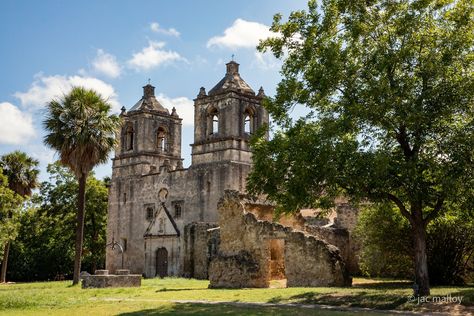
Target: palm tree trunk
{"points": [[3, 274], [81, 204]]}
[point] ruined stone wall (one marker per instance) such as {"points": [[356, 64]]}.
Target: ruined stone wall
{"points": [[244, 257], [346, 216], [267, 213], [201, 241]]}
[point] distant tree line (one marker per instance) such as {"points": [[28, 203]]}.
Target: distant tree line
{"points": [[44, 246]]}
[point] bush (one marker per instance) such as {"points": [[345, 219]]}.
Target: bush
{"points": [[450, 250], [386, 245]]}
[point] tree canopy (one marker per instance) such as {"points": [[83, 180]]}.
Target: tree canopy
{"points": [[390, 87], [9, 204], [22, 173], [44, 249]]}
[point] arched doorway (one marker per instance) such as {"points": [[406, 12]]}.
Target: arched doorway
{"points": [[162, 262]]}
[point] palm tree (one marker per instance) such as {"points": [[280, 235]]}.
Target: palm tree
{"points": [[22, 173], [80, 128]]}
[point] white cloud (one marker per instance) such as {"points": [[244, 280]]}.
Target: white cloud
{"points": [[106, 64], [266, 61], [184, 107], [44, 154], [241, 34], [46, 88], [155, 27], [153, 56], [16, 127]]}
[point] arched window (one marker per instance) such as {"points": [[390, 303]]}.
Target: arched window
{"points": [[247, 124], [248, 121], [213, 121], [129, 138], [161, 139]]}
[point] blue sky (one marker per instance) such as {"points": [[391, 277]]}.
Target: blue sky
{"points": [[114, 47]]}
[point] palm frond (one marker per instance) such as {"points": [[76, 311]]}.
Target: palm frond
{"points": [[81, 129]]}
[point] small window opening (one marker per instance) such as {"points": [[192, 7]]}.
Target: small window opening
{"points": [[248, 121], [161, 139], [213, 121], [247, 124], [149, 213], [177, 211], [124, 244], [215, 124], [129, 138]]}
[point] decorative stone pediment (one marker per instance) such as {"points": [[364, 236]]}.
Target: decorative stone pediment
{"points": [[162, 224]]}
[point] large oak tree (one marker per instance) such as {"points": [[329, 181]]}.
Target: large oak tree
{"points": [[390, 87]]}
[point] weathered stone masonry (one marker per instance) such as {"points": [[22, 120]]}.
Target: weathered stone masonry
{"points": [[166, 218], [245, 253], [149, 161]]}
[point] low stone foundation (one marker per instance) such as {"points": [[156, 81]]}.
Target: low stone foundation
{"points": [[102, 279]]}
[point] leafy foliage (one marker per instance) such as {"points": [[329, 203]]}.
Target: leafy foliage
{"points": [[10, 203], [22, 172], [451, 250], [386, 246], [390, 90], [44, 249], [81, 130]]}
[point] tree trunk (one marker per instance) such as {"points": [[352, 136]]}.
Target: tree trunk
{"points": [[94, 242], [421, 261], [81, 204], [3, 274]]}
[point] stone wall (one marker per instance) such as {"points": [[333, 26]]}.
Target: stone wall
{"points": [[201, 241], [102, 279], [244, 257]]}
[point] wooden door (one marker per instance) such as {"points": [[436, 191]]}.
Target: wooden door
{"points": [[162, 262]]}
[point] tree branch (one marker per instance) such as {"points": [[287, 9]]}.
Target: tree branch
{"points": [[400, 205], [401, 136], [436, 209]]}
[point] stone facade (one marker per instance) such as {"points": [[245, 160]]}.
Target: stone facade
{"points": [[153, 199], [254, 251]]}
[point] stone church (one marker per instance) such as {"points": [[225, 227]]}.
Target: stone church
{"points": [[162, 214]]}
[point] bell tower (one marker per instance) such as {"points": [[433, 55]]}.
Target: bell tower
{"points": [[150, 137], [225, 118]]}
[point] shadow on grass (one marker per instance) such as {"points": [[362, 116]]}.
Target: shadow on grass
{"points": [[226, 309], [181, 289], [387, 285], [360, 299], [467, 295]]}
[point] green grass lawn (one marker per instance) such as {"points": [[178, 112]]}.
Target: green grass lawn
{"points": [[169, 296]]}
